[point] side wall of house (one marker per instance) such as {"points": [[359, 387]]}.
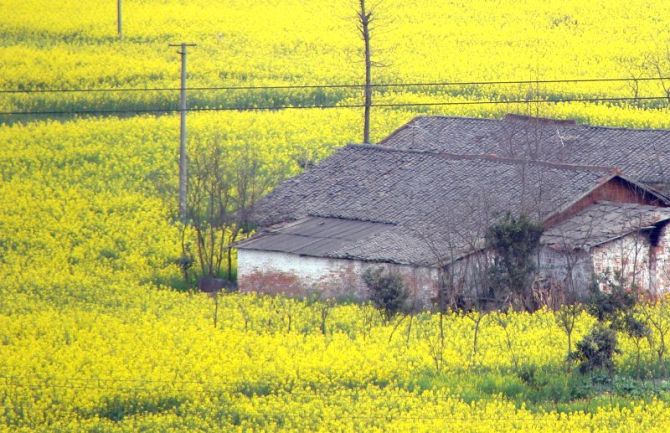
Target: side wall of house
{"points": [[294, 275], [632, 259], [660, 255], [561, 274], [624, 261], [556, 273]]}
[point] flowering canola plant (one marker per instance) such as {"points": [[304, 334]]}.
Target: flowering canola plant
{"points": [[93, 336], [159, 363]]}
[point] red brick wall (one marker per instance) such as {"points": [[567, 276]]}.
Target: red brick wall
{"points": [[624, 261], [661, 261]]}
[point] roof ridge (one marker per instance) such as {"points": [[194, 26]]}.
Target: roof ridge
{"points": [[539, 119], [487, 157], [550, 120], [346, 218], [623, 128], [422, 116], [440, 116]]}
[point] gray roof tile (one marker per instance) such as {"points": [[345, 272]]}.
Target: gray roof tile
{"points": [[603, 222], [643, 154], [435, 203], [432, 187]]}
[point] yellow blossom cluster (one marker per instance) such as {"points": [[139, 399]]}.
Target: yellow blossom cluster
{"points": [[68, 44], [93, 334], [159, 363]]}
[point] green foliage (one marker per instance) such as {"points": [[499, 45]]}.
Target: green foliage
{"points": [[595, 352], [612, 305], [387, 291], [514, 241], [532, 385], [117, 408], [615, 309], [635, 327]]}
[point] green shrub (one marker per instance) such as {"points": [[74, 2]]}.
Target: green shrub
{"points": [[595, 353], [387, 291], [116, 408], [514, 242]]}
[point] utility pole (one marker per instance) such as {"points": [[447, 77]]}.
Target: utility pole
{"points": [[183, 158], [119, 19], [365, 18]]}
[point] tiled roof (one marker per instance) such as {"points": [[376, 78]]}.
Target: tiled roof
{"points": [[314, 236], [603, 222], [343, 239], [643, 154], [433, 187], [436, 203]]}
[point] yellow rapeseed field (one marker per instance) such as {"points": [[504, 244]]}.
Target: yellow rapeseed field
{"points": [[93, 335]]}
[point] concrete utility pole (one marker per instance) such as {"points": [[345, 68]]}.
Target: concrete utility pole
{"points": [[365, 18], [183, 158], [119, 19]]}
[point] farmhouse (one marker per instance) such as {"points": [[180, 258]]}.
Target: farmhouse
{"points": [[421, 201]]}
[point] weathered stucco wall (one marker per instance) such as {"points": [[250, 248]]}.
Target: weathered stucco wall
{"points": [[640, 259], [294, 275], [563, 275]]}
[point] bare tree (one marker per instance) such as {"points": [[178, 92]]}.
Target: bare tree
{"points": [[462, 277], [636, 69], [567, 302], [658, 317], [443, 254], [225, 183], [209, 208], [659, 63]]}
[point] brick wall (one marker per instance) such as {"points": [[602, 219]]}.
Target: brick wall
{"points": [[624, 261], [660, 255]]}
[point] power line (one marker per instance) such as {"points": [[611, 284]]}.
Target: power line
{"points": [[296, 107], [336, 86]]}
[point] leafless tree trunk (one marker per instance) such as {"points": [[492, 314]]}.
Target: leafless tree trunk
{"points": [[505, 322], [568, 307], [459, 280], [635, 69], [224, 186], [477, 317], [216, 308], [658, 316], [660, 64]]}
